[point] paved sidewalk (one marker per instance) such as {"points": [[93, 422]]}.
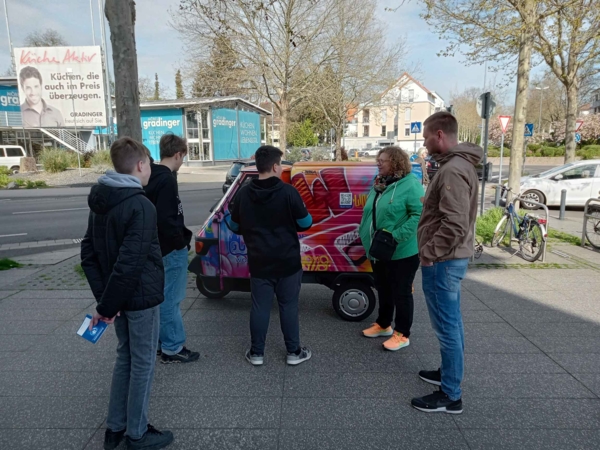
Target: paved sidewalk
{"points": [[532, 368]]}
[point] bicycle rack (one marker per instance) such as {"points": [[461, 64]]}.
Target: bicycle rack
{"points": [[546, 225], [585, 218]]}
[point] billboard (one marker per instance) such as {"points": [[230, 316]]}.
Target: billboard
{"points": [[61, 87], [224, 128], [9, 99], [155, 123], [226, 131], [249, 133]]}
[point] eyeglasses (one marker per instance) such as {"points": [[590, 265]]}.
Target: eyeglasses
{"points": [[382, 161]]}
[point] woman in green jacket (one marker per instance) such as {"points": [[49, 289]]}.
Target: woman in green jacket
{"points": [[397, 197]]}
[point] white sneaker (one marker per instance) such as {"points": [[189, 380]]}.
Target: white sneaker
{"points": [[304, 355], [255, 360]]}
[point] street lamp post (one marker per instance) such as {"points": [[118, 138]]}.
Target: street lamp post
{"points": [[542, 89], [70, 72]]}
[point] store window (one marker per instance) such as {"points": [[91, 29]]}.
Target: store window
{"points": [[191, 119]]}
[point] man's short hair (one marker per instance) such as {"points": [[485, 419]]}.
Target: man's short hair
{"points": [[266, 157], [171, 144], [443, 121], [29, 72], [125, 153]]}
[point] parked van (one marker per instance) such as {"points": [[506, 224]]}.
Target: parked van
{"points": [[10, 156], [331, 250]]}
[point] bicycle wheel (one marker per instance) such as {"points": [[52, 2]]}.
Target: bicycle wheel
{"points": [[502, 229], [592, 229], [531, 242]]}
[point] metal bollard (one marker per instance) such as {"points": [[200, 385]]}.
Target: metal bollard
{"points": [[563, 203], [497, 199]]}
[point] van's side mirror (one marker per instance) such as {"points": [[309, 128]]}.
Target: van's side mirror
{"points": [[558, 177]]}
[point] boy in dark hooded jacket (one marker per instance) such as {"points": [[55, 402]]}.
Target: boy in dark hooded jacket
{"points": [[120, 256]]}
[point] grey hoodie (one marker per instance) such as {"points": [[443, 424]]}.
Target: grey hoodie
{"points": [[450, 207], [119, 180]]}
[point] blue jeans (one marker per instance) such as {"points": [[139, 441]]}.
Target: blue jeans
{"points": [[441, 285], [137, 332], [172, 332], [287, 290]]}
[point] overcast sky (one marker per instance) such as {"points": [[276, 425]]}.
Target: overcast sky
{"points": [[159, 48]]}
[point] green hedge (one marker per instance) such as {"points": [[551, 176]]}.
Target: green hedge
{"points": [[548, 152]]}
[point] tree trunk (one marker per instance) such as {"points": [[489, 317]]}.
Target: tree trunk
{"points": [[283, 123], [523, 72], [572, 104], [121, 21], [338, 142]]}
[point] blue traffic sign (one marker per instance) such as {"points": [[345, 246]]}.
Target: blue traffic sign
{"points": [[415, 127], [578, 137], [528, 129]]}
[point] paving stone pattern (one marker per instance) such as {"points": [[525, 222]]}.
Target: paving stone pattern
{"points": [[532, 370]]}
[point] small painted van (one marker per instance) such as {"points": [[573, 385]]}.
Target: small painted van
{"points": [[331, 250]]}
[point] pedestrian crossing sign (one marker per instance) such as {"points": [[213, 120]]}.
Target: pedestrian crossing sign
{"points": [[415, 127]]}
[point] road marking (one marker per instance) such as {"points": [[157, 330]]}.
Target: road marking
{"points": [[50, 210], [13, 235]]}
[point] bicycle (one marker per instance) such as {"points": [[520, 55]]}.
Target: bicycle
{"points": [[529, 230], [592, 225]]}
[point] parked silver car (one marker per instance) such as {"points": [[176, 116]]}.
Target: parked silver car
{"points": [[581, 179]]}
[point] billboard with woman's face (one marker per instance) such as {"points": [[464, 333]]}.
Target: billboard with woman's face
{"points": [[61, 87]]}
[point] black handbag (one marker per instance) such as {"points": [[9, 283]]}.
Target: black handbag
{"points": [[383, 244]]}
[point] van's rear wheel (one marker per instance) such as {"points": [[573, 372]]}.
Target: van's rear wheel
{"points": [[15, 169], [353, 301], [210, 291]]}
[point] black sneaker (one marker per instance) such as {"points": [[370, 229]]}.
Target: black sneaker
{"points": [[437, 402], [184, 356], [112, 439], [294, 359], [158, 352], [431, 376], [151, 440]]}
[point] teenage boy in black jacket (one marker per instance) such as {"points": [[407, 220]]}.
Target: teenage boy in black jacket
{"points": [[120, 256], [174, 240], [268, 213]]}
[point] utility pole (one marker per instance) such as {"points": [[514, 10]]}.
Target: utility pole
{"points": [[92, 18], [10, 45]]}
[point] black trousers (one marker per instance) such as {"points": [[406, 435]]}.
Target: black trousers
{"points": [[287, 291], [394, 283]]}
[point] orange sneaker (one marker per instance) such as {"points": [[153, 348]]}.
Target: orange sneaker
{"points": [[376, 331], [396, 342]]}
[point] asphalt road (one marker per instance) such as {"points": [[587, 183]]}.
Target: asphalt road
{"points": [[61, 213], [57, 214]]}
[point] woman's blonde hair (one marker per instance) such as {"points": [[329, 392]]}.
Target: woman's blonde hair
{"points": [[399, 159], [421, 151]]}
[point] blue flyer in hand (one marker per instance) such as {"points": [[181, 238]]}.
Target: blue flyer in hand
{"points": [[95, 333]]}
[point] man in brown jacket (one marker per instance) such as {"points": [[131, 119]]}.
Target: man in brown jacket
{"points": [[445, 238]]}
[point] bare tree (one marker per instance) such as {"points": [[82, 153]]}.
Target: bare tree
{"points": [[361, 65], [465, 111], [568, 38], [121, 20], [492, 31], [274, 42], [45, 38]]}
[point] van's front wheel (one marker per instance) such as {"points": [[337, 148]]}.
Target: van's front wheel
{"points": [[354, 301], [210, 291]]}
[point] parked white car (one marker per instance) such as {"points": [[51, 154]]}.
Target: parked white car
{"points": [[10, 156], [581, 179]]}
